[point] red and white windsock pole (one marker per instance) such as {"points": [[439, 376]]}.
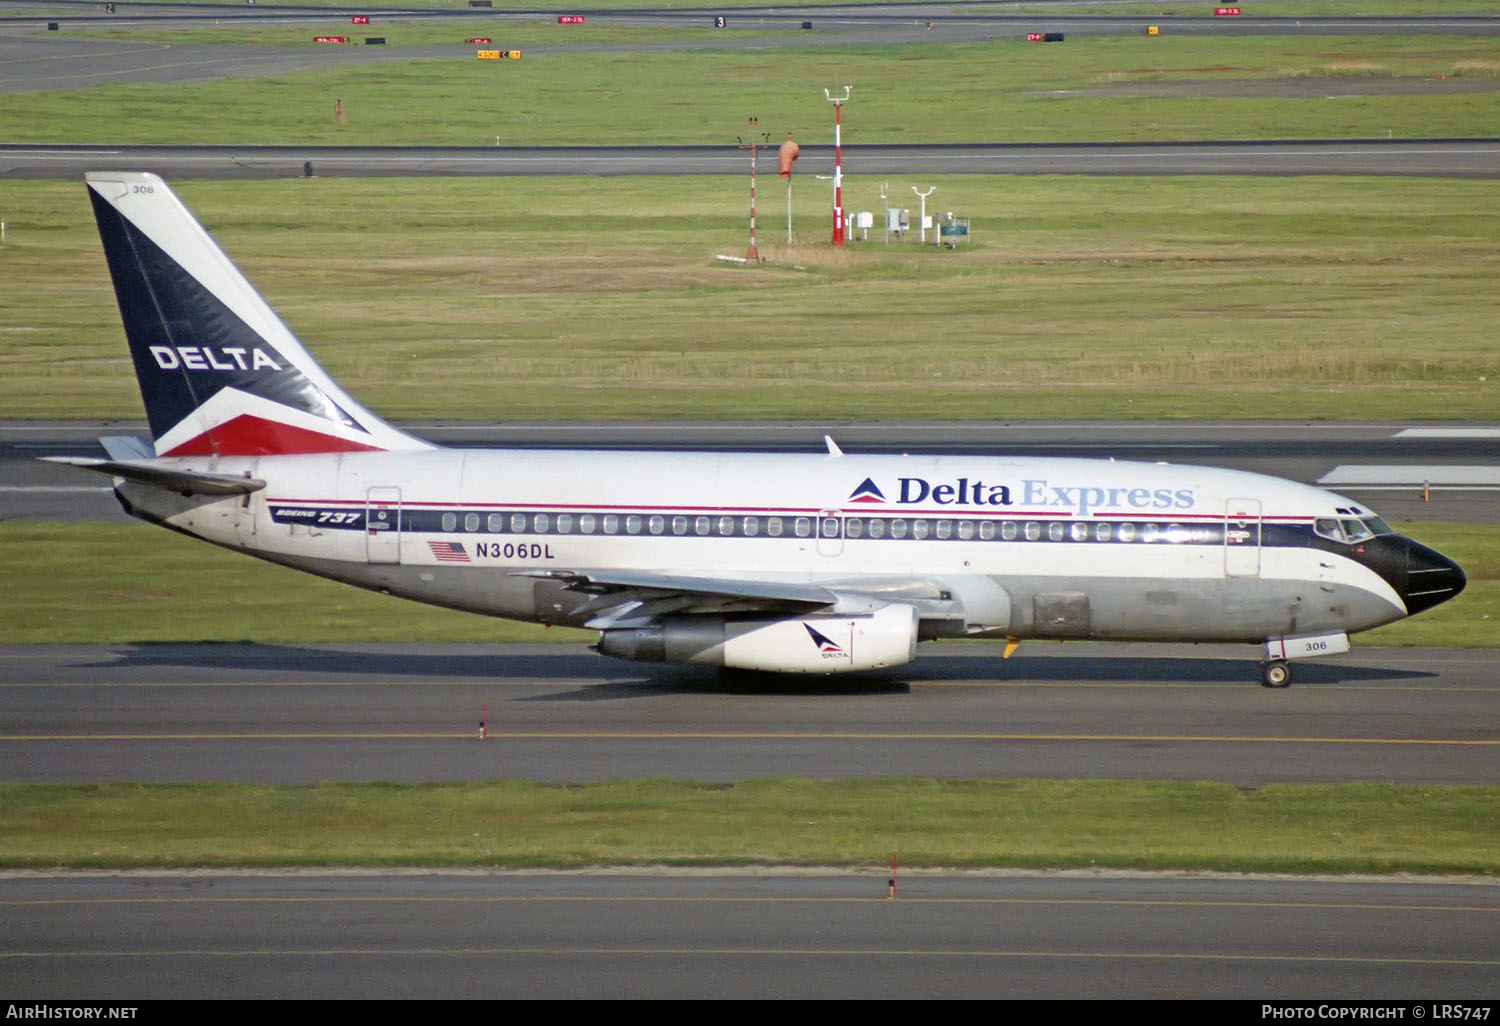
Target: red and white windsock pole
{"points": [[838, 164], [752, 254]]}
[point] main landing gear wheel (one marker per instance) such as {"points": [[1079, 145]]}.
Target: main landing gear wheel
{"points": [[1276, 674]]}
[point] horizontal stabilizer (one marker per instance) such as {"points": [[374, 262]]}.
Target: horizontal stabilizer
{"points": [[183, 482], [127, 447]]}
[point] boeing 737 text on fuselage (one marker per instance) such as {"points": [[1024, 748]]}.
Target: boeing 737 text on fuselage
{"points": [[816, 563]]}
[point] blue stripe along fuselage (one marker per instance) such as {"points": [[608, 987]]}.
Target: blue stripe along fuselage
{"points": [[1398, 561], [794, 524]]}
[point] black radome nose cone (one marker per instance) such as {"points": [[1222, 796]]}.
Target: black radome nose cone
{"points": [[1431, 578]]}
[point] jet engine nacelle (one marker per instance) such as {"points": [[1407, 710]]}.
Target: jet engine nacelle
{"points": [[804, 644]]}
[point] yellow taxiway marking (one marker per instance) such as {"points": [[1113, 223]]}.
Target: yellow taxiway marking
{"points": [[626, 735]]}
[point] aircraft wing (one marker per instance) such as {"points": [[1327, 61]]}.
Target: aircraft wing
{"points": [[183, 482], [628, 598]]}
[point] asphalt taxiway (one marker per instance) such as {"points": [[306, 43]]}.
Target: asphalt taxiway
{"points": [[1447, 158], [562, 714], [745, 934]]}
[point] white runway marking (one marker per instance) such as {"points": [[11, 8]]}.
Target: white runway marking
{"points": [[1464, 432], [1387, 475]]}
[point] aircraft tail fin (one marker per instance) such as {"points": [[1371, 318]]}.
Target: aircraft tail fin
{"points": [[219, 372]]}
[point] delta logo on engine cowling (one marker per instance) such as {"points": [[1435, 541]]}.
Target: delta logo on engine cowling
{"points": [[1029, 492], [827, 647]]}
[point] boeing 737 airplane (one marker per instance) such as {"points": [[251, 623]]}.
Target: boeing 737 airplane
{"points": [[813, 563]]}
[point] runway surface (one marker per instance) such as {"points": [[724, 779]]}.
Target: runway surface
{"points": [[561, 714], [1382, 464], [746, 935], [1448, 158]]}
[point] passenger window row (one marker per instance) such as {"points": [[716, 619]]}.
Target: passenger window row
{"points": [[873, 528]]}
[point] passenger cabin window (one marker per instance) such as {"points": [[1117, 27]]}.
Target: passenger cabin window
{"points": [[471, 521], [564, 523], [518, 522], [586, 523], [611, 524], [450, 521], [496, 523], [541, 523], [803, 527], [752, 526], [877, 528]]}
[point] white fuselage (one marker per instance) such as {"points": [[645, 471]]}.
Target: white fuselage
{"points": [[1016, 546]]}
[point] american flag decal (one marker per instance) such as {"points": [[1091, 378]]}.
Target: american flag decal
{"points": [[448, 552]]}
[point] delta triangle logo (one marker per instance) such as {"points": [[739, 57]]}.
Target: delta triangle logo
{"points": [[867, 492], [827, 646]]}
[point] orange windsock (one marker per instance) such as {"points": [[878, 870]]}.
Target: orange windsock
{"points": [[789, 153]]}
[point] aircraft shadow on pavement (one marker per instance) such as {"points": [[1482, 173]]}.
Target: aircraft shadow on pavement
{"points": [[612, 679], [609, 678], [1144, 669]]}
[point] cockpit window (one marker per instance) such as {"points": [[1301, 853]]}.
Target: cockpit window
{"points": [[1328, 528], [1349, 529]]}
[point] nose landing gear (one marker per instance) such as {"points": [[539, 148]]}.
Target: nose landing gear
{"points": [[1275, 674]]}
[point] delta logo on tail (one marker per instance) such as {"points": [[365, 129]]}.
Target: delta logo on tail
{"points": [[219, 373], [827, 647]]}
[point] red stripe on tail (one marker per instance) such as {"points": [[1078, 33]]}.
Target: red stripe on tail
{"points": [[248, 435]]}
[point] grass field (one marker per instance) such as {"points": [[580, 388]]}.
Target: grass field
{"points": [[95, 570], [1000, 91], [1352, 828], [561, 299]]}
